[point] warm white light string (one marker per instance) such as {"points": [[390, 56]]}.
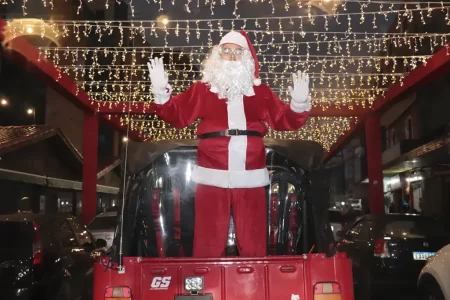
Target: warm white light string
{"points": [[284, 44], [333, 6]]}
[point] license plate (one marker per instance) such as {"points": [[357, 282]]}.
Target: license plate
{"points": [[423, 255]]}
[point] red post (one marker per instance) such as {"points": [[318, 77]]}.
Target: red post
{"points": [[90, 161], [374, 164]]}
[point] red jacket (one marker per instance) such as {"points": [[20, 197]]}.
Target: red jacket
{"points": [[238, 161]]}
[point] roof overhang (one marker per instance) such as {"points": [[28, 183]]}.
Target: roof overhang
{"points": [[51, 182]]}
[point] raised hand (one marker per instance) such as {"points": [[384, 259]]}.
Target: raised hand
{"points": [[301, 99], [159, 79]]}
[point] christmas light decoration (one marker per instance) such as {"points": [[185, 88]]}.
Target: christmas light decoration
{"points": [[348, 69], [331, 7], [320, 129], [293, 28]]}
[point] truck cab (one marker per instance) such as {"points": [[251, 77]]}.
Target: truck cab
{"points": [[151, 256]]}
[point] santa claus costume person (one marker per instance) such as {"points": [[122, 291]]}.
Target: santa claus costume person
{"points": [[231, 104]]}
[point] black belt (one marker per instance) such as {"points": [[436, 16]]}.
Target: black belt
{"points": [[230, 132]]}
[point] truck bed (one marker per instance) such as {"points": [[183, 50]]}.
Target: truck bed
{"points": [[274, 278]]}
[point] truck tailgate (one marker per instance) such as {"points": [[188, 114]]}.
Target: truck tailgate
{"points": [[267, 278], [228, 279]]}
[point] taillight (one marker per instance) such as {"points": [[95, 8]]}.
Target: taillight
{"points": [[118, 293], [327, 291], [37, 245], [380, 248]]}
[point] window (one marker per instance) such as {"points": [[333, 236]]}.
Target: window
{"points": [[365, 232], [408, 129], [354, 231], [66, 236], [393, 138], [388, 144], [65, 202], [361, 230], [81, 232], [103, 223], [417, 228]]}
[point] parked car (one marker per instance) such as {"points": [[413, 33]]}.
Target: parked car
{"points": [[45, 257], [103, 227], [433, 283], [389, 251], [340, 219], [356, 204]]}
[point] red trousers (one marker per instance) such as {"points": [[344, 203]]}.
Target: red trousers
{"points": [[212, 220]]}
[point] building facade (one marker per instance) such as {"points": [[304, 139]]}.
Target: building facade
{"points": [[41, 132], [415, 130]]}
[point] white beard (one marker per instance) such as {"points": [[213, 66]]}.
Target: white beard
{"points": [[229, 79]]}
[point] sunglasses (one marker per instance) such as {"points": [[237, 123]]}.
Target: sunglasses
{"points": [[238, 52]]}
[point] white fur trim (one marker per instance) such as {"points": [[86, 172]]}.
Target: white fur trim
{"points": [[249, 93], [162, 96], [234, 37], [214, 90], [300, 107], [257, 81], [231, 179], [237, 147]]}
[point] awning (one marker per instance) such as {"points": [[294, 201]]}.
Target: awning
{"points": [[51, 182]]}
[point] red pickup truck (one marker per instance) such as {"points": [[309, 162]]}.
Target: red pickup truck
{"points": [[151, 254]]}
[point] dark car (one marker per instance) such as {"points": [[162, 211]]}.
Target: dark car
{"points": [[389, 251], [341, 220], [45, 257]]}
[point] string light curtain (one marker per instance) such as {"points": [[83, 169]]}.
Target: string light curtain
{"points": [[325, 5], [347, 68]]}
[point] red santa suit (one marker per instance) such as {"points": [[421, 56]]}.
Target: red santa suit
{"points": [[231, 170]]}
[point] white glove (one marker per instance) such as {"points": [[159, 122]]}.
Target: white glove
{"points": [[301, 99], [161, 89]]}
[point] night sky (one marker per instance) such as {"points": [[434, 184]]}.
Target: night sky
{"points": [[22, 91]]}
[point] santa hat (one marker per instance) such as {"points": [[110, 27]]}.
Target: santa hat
{"points": [[241, 39]]}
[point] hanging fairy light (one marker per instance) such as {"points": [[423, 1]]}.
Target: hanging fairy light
{"points": [[331, 7], [347, 68], [324, 130]]}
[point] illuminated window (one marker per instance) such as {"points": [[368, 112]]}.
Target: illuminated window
{"points": [[409, 129], [393, 138]]}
